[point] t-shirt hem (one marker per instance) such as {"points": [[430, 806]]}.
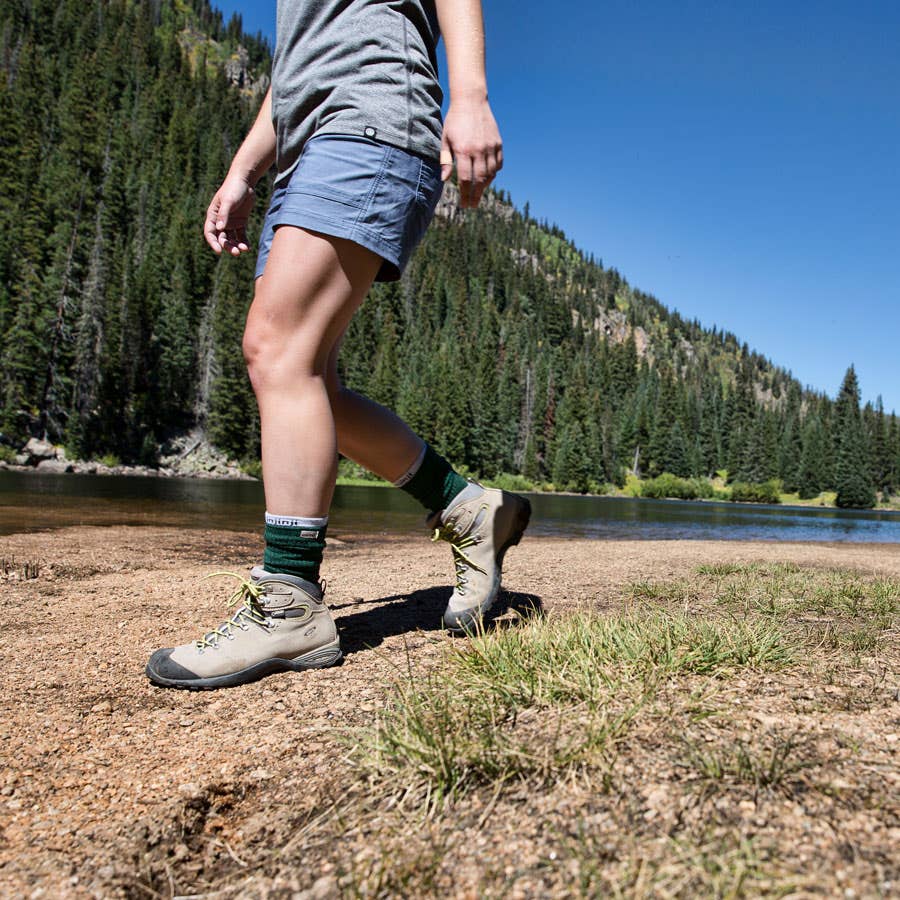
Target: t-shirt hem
{"points": [[429, 149]]}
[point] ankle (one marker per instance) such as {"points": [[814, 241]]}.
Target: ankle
{"points": [[294, 546], [432, 481]]}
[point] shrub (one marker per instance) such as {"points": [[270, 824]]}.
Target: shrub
{"points": [[252, 467], [509, 482], [747, 492], [705, 488], [632, 486], [669, 486]]}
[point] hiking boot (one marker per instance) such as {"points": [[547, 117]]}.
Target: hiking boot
{"points": [[480, 525], [281, 625]]}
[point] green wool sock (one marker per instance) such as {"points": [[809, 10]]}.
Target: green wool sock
{"points": [[434, 483], [294, 546]]}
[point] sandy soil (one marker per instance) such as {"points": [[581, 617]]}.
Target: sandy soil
{"points": [[110, 786]]}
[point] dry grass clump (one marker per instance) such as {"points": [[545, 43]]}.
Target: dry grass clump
{"points": [[548, 697], [12, 569], [639, 736]]}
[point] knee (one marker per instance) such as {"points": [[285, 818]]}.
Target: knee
{"points": [[276, 359], [259, 348]]}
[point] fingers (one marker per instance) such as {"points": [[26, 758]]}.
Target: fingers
{"points": [[476, 172], [221, 225], [209, 227], [446, 158], [233, 241], [465, 176], [224, 229]]}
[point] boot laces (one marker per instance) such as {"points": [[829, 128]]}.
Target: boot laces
{"points": [[459, 543], [248, 594]]}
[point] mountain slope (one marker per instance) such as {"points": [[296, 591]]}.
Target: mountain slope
{"points": [[504, 344]]}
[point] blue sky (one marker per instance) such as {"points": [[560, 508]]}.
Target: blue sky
{"points": [[740, 161]]}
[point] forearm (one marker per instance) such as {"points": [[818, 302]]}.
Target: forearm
{"points": [[257, 153], [462, 27]]}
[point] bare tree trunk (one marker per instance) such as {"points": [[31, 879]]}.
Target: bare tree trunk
{"points": [[49, 399], [526, 418]]}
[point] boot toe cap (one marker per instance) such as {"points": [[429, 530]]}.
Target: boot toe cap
{"points": [[462, 621], [162, 669]]}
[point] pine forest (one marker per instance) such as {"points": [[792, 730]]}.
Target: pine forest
{"points": [[518, 356]]}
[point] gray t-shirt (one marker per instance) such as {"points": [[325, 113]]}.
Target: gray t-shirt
{"points": [[365, 67]]}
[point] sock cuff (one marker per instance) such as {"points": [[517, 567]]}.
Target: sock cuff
{"points": [[295, 521], [410, 473]]}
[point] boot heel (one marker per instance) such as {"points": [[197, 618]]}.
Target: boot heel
{"points": [[523, 517]]}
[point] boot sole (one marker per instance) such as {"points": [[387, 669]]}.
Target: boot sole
{"points": [[315, 659], [523, 517]]}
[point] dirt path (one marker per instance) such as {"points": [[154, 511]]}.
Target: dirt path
{"points": [[107, 782]]}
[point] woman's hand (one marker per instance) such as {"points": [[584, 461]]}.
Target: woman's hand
{"points": [[471, 139], [226, 219]]}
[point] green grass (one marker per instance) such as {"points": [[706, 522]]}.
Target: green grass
{"points": [[551, 696], [764, 763], [725, 867], [837, 608]]}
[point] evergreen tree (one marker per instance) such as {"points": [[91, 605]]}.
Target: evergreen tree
{"points": [[502, 344], [852, 471]]}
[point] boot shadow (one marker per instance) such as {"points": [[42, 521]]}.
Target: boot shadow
{"points": [[421, 611]]}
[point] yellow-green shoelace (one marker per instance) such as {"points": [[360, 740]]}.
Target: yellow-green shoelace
{"points": [[458, 545], [247, 593]]}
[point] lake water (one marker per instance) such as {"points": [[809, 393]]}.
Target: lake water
{"points": [[31, 501]]}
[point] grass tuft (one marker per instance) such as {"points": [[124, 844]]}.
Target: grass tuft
{"points": [[19, 569], [763, 764], [548, 698], [837, 608]]}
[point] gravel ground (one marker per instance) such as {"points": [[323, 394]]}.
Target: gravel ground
{"points": [[111, 787]]}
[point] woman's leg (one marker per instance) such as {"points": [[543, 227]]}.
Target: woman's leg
{"points": [[480, 525], [369, 433], [311, 287]]}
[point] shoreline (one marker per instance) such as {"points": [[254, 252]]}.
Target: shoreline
{"points": [[81, 467]]}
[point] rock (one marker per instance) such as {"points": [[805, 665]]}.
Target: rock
{"points": [[55, 466], [85, 468], [22, 459], [324, 888], [37, 450], [103, 708]]}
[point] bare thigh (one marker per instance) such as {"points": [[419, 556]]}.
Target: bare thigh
{"points": [[310, 289]]}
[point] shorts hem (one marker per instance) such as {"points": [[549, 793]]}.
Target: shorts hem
{"points": [[391, 268]]}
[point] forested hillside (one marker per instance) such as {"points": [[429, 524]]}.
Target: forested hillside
{"points": [[503, 344]]}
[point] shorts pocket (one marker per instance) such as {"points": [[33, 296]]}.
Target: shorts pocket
{"points": [[338, 167], [430, 185]]}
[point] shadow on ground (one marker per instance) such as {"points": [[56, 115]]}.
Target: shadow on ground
{"points": [[420, 611]]}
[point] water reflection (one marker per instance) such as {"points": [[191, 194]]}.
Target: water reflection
{"points": [[30, 501]]}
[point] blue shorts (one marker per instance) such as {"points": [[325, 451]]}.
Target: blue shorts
{"points": [[353, 187]]}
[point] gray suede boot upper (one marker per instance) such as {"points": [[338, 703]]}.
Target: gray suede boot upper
{"points": [[480, 525], [281, 624]]}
